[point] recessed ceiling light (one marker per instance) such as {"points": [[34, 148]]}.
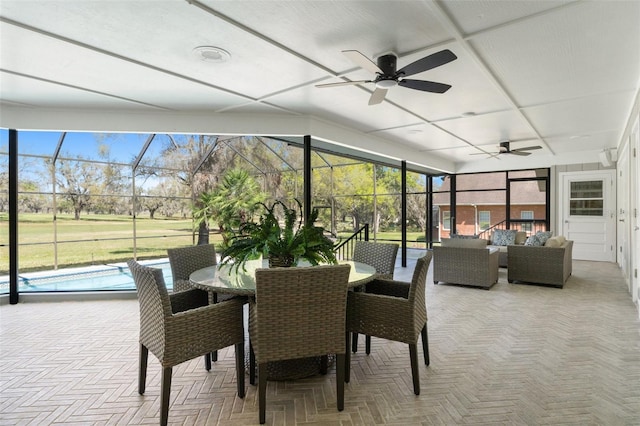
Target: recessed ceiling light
{"points": [[211, 54]]}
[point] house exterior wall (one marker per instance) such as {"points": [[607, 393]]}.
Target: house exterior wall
{"points": [[466, 217]]}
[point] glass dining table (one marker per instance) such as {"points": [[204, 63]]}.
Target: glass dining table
{"points": [[226, 279], [241, 281]]}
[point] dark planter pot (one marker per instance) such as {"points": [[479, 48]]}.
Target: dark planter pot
{"points": [[280, 261]]}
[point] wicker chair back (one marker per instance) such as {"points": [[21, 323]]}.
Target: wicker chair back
{"points": [[185, 260], [297, 313], [381, 256]]}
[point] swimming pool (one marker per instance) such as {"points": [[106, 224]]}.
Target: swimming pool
{"points": [[114, 276]]}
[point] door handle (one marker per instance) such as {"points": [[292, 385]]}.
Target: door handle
{"points": [[621, 220]]}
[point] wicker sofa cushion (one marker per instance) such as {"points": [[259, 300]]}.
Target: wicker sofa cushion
{"points": [[463, 242]]}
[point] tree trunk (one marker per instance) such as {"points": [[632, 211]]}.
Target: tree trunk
{"points": [[203, 233]]}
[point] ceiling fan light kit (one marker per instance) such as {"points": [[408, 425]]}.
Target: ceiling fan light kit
{"points": [[387, 76]]}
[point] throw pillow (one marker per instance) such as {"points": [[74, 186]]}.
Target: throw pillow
{"points": [[552, 242], [504, 237], [533, 241], [521, 237], [543, 236]]}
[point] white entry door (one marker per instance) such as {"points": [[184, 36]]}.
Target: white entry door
{"points": [[587, 214]]}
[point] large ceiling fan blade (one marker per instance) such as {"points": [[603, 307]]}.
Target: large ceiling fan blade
{"points": [[426, 86], [528, 148], [343, 83], [516, 152], [427, 63], [362, 61], [377, 96]]}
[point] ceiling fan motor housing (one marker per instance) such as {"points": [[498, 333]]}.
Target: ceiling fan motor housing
{"points": [[387, 63]]}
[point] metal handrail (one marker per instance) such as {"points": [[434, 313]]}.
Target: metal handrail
{"points": [[344, 250], [537, 225]]}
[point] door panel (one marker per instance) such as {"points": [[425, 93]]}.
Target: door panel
{"points": [[587, 214]]}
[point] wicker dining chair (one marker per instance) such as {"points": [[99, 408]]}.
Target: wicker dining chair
{"points": [[180, 326], [299, 313], [393, 310], [184, 261], [381, 256]]}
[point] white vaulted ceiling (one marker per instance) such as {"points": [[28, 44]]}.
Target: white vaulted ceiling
{"points": [[560, 74]]}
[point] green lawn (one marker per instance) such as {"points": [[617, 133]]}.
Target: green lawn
{"points": [[100, 239], [94, 239]]}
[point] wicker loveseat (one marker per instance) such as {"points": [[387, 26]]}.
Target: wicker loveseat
{"points": [[541, 264], [468, 262]]}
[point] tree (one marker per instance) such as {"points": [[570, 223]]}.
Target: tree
{"points": [[76, 180], [232, 201], [31, 200], [356, 181], [151, 202]]}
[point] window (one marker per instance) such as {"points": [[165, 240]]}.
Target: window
{"points": [[526, 214], [484, 220], [587, 198], [446, 220]]}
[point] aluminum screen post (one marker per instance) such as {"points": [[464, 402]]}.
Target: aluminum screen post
{"points": [[13, 217]]}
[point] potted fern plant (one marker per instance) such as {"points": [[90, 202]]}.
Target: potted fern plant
{"points": [[284, 245]]}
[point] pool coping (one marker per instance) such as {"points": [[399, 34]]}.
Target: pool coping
{"points": [[75, 295]]}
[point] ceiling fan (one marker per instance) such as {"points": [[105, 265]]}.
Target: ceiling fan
{"points": [[387, 76], [506, 149]]}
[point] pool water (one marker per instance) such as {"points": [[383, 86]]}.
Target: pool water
{"points": [[94, 278]]}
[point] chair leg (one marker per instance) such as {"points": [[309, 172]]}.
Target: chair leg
{"points": [[340, 367], [347, 368], [354, 343], [240, 368], [262, 391], [425, 344], [214, 355], [252, 365], [415, 373], [164, 395], [367, 344], [207, 362], [142, 373]]}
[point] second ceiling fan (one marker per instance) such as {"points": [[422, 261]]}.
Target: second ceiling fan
{"points": [[505, 148], [387, 76]]}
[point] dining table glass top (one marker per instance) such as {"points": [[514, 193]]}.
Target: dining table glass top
{"points": [[228, 279]]}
